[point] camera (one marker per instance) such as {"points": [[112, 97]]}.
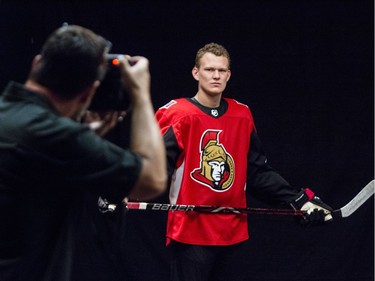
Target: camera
{"points": [[111, 95]]}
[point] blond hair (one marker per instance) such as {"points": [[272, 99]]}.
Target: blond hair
{"points": [[213, 48]]}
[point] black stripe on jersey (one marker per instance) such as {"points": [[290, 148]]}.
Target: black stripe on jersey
{"points": [[173, 151]]}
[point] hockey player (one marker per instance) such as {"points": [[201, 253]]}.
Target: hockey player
{"points": [[214, 157]]}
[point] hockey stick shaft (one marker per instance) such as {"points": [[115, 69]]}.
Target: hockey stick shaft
{"points": [[209, 209]]}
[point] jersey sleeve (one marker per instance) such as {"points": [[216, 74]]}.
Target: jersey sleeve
{"points": [[170, 140], [172, 149], [263, 182]]}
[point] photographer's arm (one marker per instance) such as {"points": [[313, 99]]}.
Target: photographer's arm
{"points": [[145, 136]]}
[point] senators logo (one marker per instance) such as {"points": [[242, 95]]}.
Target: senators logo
{"points": [[216, 166]]}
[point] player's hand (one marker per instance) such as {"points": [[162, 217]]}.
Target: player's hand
{"points": [[317, 211], [103, 122]]}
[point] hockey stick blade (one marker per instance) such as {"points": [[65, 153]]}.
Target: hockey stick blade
{"points": [[355, 203]]}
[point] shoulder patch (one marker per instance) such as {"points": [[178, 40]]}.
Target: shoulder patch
{"points": [[169, 104]]}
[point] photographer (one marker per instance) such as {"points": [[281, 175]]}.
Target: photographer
{"points": [[49, 160]]}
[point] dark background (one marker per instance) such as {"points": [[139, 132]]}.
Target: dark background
{"points": [[306, 70]]}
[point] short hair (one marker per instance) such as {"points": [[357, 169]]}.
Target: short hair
{"points": [[72, 58], [213, 48]]}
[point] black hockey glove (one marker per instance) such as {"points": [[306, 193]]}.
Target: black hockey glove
{"points": [[316, 210]]}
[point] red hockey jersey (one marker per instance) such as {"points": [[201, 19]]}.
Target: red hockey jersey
{"points": [[209, 168]]}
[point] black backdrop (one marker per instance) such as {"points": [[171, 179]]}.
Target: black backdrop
{"points": [[306, 70]]}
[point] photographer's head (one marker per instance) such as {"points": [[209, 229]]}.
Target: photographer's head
{"points": [[69, 68], [71, 59]]}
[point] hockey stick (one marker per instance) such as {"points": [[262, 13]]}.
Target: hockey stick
{"points": [[356, 202], [209, 209], [105, 206], [343, 212]]}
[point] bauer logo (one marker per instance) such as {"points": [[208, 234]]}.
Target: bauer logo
{"points": [[167, 207]]}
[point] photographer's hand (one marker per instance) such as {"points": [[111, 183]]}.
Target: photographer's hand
{"points": [[136, 76], [103, 122]]}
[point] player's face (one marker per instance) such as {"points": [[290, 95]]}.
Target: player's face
{"points": [[213, 74]]}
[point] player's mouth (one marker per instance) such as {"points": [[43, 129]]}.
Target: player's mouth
{"points": [[216, 84]]}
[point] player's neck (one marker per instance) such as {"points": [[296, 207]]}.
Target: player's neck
{"points": [[207, 100]]}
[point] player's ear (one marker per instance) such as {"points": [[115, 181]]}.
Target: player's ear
{"points": [[229, 73], [194, 72]]}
